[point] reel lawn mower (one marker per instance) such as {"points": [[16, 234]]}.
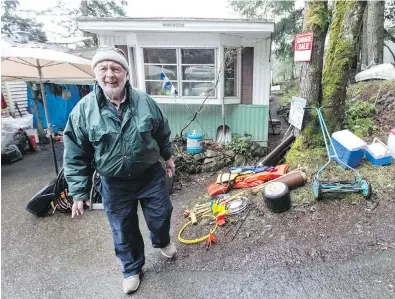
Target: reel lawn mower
{"points": [[321, 187]]}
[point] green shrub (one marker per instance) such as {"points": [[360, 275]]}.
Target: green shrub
{"points": [[359, 117], [241, 146]]}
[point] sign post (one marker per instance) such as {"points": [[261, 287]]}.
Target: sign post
{"points": [[303, 46]]}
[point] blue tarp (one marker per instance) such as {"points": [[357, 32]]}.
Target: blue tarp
{"points": [[58, 107]]}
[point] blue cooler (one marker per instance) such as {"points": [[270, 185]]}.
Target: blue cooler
{"points": [[378, 153], [349, 148]]}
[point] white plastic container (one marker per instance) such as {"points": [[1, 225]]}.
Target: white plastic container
{"points": [[391, 143], [378, 153]]}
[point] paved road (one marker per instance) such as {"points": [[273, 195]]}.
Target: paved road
{"points": [[55, 257]]}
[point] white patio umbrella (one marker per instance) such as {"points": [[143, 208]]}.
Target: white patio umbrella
{"points": [[43, 65]]}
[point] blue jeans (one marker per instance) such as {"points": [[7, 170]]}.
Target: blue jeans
{"points": [[120, 200]]}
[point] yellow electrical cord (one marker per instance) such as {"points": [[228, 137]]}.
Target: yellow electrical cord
{"points": [[194, 241]]}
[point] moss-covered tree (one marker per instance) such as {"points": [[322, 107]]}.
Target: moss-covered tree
{"points": [[315, 20], [343, 37]]}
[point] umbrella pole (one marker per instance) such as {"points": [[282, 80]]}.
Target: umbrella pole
{"points": [[47, 119]]}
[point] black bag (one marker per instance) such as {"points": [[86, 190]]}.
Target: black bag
{"points": [[41, 202], [10, 154]]}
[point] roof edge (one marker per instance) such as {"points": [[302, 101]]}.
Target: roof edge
{"points": [[125, 19]]}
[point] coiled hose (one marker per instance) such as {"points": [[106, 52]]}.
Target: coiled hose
{"points": [[197, 240], [63, 202]]}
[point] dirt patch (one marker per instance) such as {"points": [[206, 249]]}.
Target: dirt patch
{"points": [[384, 122], [332, 229], [337, 228]]}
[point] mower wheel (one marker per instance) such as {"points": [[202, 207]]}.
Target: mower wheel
{"points": [[317, 189], [366, 189]]}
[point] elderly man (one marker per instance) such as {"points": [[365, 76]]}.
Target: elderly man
{"points": [[121, 132]]}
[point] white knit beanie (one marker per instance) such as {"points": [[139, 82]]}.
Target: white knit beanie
{"points": [[104, 53]]}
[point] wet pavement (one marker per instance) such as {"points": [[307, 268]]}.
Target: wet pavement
{"points": [[57, 257]]}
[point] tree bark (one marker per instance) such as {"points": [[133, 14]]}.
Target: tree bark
{"points": [[373, 42], [316, 20], [345, 29], [364, 38], [292, 70]]}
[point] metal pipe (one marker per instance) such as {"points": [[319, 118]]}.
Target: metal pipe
{"points": [[47, 117], [278, 151]]}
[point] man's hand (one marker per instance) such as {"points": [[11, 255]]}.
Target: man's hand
{"points": [[170, 167], [77, 208]]}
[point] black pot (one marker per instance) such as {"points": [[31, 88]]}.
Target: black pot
{"points": [[276, 196]]}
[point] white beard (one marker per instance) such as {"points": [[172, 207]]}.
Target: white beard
{"points": [[114, 92]]}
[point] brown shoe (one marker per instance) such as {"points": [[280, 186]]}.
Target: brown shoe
{"points": [[131, 283]]}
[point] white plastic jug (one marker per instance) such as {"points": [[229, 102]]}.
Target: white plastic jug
{"points": [[391, 143]]}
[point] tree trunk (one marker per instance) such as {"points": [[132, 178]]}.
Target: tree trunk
{"points": [[373, 48], [316, 20], [364, 38], [292, 70], [345, 29]]}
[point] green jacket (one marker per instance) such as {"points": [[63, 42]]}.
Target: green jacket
{"points": [[96, 138]]}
